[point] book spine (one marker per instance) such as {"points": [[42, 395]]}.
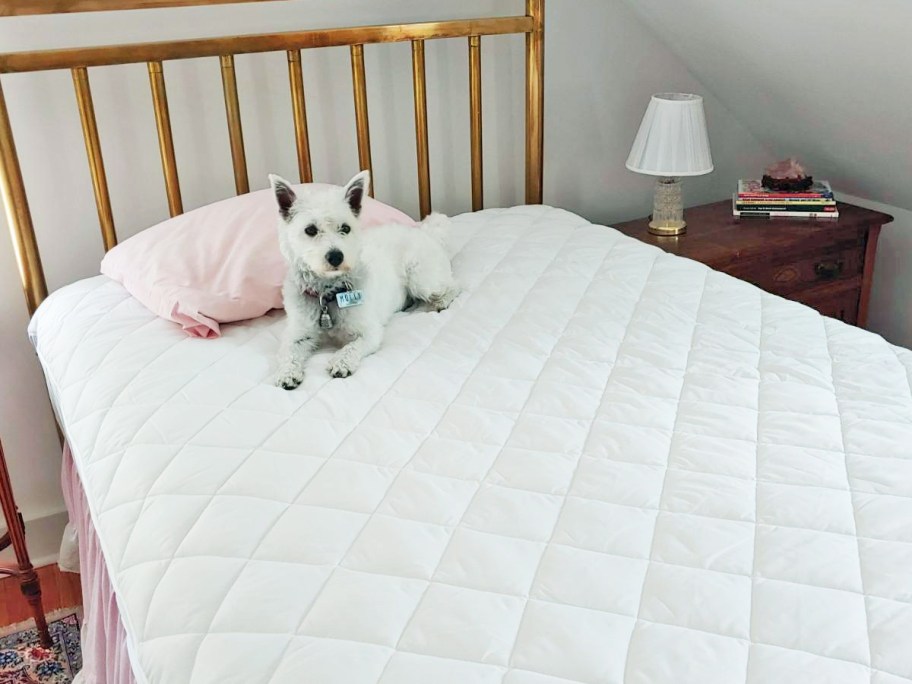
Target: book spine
{"points": [[755, 187], [788, 214], [789, 208], [774, 199], [786, 196], [797, 205]]}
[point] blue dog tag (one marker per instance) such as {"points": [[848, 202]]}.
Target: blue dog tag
{"points": [[350, 298]]}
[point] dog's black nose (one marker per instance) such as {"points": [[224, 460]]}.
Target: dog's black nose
{"points": [[334, 257]]}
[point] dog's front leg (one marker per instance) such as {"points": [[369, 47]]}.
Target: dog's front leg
{"points": [[297, 347], [346, 361]]}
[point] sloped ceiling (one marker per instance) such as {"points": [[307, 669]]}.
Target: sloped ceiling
{"points": [[827, 81]]}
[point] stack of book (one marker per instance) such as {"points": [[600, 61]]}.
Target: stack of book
{"points": [[752, 199]]}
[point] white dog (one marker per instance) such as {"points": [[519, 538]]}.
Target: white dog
{"points": [[344, 282]]}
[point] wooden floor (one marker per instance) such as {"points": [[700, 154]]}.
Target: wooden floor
{"points": [[58, 590]]}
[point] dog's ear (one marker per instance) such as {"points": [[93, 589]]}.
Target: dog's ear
{"points": [[356, 189], [285, 196]]}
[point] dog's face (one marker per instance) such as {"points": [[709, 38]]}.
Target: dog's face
{"points": [[320, 230]]}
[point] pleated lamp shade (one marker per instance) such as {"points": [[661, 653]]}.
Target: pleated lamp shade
{"points": [[672, 140]]}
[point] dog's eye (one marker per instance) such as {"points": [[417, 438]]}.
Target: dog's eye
{"points": [[345, 229], [311, 230]]}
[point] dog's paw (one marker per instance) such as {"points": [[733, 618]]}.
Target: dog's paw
{"points": [[442, 300], [341, 365], [288, 378]]}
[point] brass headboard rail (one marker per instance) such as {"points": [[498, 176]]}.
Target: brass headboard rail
{"points": [[107, 55], [10, 8], [79, 60]]}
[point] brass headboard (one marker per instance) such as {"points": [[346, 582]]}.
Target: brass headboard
{"points": [[78, 61]]}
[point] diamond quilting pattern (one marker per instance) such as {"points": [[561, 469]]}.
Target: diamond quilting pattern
{"points": [[602, 464]]}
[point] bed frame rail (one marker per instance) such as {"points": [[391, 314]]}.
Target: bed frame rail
{"points": [[155, 55]]}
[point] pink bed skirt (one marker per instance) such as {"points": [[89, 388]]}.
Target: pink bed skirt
{"points": [[104, 640]]}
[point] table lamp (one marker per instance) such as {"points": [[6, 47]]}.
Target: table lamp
{"points": [[672, 142]]}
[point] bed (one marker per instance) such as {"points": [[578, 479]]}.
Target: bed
{"points": [[603, 464]]}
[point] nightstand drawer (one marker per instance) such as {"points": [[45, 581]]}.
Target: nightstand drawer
{"points": [[794, 276], [839, 300]]}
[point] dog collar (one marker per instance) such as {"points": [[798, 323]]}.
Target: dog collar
{"points": [[327, 295]]}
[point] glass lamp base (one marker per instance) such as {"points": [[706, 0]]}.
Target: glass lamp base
{"points": [[668, 208]]}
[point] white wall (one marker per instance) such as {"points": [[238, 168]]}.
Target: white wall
{"points": [[826, 81], [602, 64]]}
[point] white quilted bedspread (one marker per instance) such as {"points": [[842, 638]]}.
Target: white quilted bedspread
{"points": [[603, 464]]}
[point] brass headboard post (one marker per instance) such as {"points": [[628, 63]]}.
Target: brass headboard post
{"points": [[535, 101], [235, 132], [79, 60], [299, 111], [165, 141], [475, 122], [359, 86], [421, 128], [93, 151], [18, 215]]}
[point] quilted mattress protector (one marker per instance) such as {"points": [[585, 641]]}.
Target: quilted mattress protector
{"points": [[602, 464]]}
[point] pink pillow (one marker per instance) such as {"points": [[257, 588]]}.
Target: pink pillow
{"points": [[216, 264]]}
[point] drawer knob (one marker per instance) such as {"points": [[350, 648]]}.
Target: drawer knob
{"points": [[829, 269]]}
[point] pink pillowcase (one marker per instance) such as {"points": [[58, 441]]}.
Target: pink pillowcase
{"points": [[216, 264]]}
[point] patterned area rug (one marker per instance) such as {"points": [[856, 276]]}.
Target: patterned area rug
{"points": [[24, 661]]}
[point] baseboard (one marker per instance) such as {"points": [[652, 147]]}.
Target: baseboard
{"points": [[43, 536]]}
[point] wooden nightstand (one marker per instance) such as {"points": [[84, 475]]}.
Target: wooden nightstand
{"points": [[827, 264]]}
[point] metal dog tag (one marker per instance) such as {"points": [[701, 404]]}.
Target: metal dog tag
{"points": [[350, 298], [326, 320]]}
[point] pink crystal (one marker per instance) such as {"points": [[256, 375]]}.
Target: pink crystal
{"points": [[788, 168]]}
